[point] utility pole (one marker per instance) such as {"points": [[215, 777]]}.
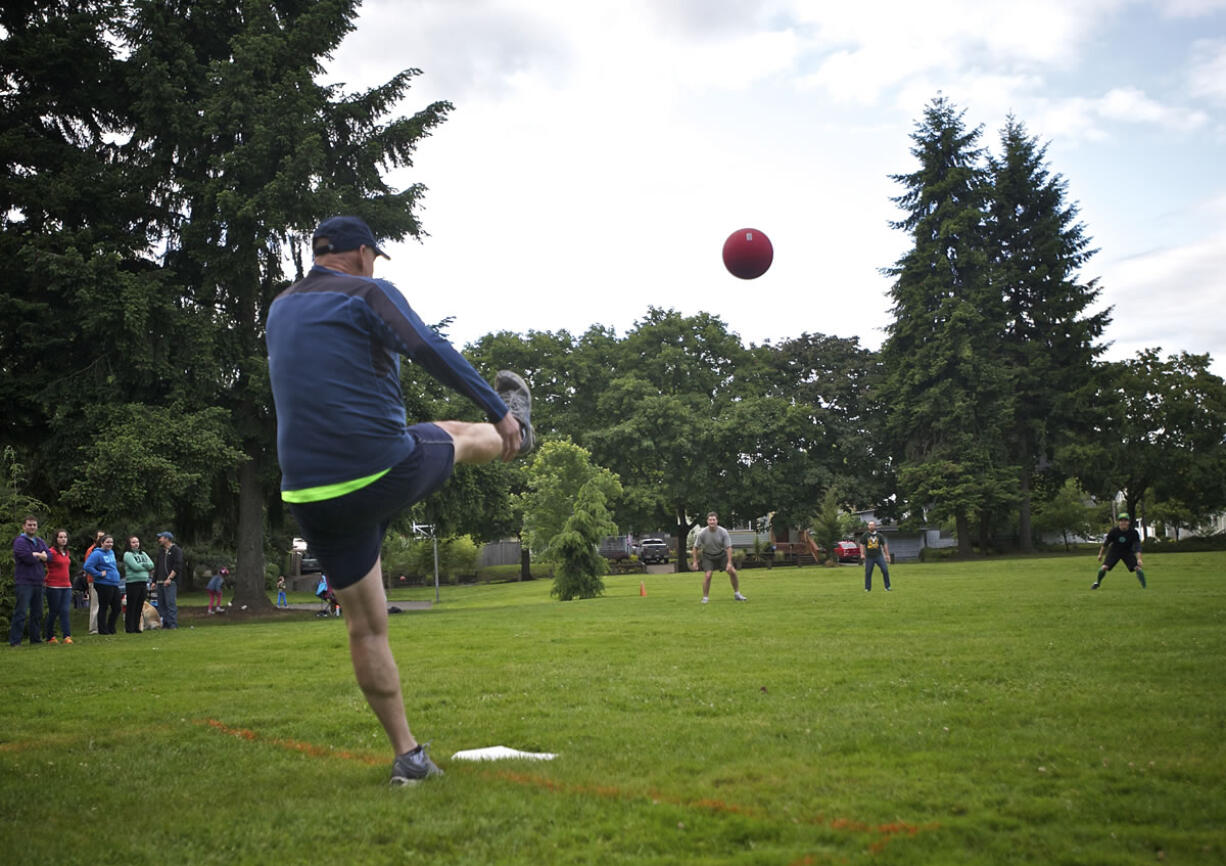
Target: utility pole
{"points": [[427, 529]]}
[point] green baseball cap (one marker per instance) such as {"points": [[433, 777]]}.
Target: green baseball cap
{"points": [[1123, 516]]}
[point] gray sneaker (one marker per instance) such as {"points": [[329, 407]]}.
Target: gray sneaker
{"points": [[514, 392], [411, 767]]}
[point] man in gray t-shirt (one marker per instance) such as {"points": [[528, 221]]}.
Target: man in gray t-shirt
{"points": [[715, 545]]}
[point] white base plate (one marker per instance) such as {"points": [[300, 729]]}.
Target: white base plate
{"points": [[498, 753]]}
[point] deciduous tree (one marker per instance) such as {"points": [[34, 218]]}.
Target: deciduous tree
{"points": [[1161, 424]]}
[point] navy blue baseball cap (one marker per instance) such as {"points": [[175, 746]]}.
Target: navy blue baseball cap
{"points": [[340, 234]]}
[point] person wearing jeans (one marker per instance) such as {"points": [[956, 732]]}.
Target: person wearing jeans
{"points": [[29, 572], [59, 589], [166, 575], [875, 551]]}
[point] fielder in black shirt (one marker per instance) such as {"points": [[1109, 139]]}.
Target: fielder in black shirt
{"points": [[1122, 544]]}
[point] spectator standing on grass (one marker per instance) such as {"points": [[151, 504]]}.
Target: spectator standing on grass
{"points": [[875, 553], [714, 545], [137, 566], [1122, 544], [102, 565], [281, 599], [214, 587], [59, 589], [30, 554], [166, 574], [89, 580], [335, 338]]}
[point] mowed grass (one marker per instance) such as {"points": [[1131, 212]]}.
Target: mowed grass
{"points": [[985, 712]]}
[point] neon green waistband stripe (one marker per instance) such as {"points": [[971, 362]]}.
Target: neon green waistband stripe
{"points": [[330, 491]]}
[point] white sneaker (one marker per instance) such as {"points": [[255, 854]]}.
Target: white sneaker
{"points": [[739, 597], [704, 599]]}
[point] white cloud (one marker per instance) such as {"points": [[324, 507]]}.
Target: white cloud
{"points": [[1191, 8], [1130, 104], [733, 64], [1171, 297], [870, 47], [1097, 119], [1207, 72]]}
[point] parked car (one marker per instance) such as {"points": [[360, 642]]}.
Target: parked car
{"points": [[847, 551], [653, 550]]}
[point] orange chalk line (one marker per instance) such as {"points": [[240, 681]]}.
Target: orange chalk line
{"points": [[295, 745], [884, 832]]}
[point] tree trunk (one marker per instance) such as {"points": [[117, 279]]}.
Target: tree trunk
{"points": [[1023, 510], [683, 530], [249, 586], [985, 533], [963, 529], [525, 562]]}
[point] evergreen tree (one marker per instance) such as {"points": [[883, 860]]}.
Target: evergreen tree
{"points": [[575, 548], [243, 153], [946, 391], [1037, 248], [90, 316]]}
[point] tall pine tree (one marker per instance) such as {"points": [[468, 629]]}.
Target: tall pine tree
{"points": [[87, 313], [946, 391], [1049, 341], [244, 153]]}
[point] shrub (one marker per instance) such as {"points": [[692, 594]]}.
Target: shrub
{"points": [[1186, 545], [937, 554], [414, 557]]}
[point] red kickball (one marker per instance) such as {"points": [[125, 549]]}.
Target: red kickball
{"points": [[748, 254]]}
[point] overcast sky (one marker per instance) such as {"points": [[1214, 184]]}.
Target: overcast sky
{"points": [[602, 150]]}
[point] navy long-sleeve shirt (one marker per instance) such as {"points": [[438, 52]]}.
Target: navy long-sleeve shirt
{"points": [[27, 568], [334, 346]]}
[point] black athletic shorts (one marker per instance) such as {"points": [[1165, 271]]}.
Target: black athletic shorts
{"points": [[346, 533], [1127, 557]]}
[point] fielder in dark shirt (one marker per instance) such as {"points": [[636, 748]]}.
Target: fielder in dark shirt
{"points": [[1122, 544]]}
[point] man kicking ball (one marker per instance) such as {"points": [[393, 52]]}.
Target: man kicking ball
{"points": [[1121, 544], [349, 463], [715, 546]]}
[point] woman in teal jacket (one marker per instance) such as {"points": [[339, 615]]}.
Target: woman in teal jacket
{"points": [[137, 566], [101, 564]]}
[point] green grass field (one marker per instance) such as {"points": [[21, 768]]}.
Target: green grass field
{"points": [[985, 712]]}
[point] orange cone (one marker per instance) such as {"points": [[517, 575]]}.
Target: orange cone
{"points": [[642, 588]]}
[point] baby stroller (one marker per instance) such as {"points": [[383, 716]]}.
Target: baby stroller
{"points": [[329, 605]]}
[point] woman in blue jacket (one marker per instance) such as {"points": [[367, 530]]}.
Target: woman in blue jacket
{"points": [[101, 564]]}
